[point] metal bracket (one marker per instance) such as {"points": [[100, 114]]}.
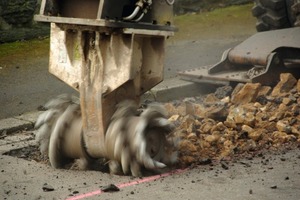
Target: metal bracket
{"points": [[271, 52]]}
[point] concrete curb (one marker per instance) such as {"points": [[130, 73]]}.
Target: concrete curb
{"points": [[167, 90], [23, 122]]}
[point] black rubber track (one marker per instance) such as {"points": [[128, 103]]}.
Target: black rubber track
{"points": [[294, 13], [271, 15]]}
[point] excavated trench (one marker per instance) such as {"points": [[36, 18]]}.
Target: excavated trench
{"points": [[232, 123]]}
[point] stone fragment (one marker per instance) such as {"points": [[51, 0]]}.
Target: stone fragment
{"points": [[281, 137], [276, 116], [188, 124], [231, 134], [207, 126], [296, 109], [287, 101], [283, 126], [242, 114], [222, 140], [47, 188], [204, 144], [273, 187], [204, 161], [287, 114], [174, 109], [246, 94], [293, 98], [192, 137], [262, 99], [174, 118], [210, 98], [286, 83], [282, 108], [187, 146], [210, 139], [247, 129], [237, 88], [298, 86], [228, 148], [272, 118], [263, 109], [260, 117], [255, 135], [225, 99], [257, 105], [219, 127], [298, 101], [216, 111], [295, 132], [171, 109], [110, 188], [264, 91], [186, 160], [268, 126], [195, 109], [230, 124], [224, 165], [247, 145], [213, 138], [222, 92]]}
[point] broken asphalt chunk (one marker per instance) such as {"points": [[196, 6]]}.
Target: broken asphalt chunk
{"points": [[110, 188], [47, 188]]}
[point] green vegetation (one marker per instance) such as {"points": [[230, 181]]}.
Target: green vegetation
{"points": [[221, 21], [234, 13], [36, 47], [23, 51]]}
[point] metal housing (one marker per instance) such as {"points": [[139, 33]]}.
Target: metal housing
{"points": [[106, 58]]}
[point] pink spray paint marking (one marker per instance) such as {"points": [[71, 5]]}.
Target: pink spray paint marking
{"points": [[130, 183]]}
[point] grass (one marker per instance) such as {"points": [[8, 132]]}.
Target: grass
{"points": [[31, 48], [222, 21]]}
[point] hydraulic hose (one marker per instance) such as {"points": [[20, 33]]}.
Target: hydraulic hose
{"points": [[133, 14], [140, 17]]}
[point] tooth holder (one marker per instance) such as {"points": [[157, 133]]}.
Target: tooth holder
{"points": [[104, 58]]}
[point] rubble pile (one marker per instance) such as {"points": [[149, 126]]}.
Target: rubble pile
{"points": [[230, 122]]}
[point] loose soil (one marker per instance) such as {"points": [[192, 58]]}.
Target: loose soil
{"points": [[209, 135]]}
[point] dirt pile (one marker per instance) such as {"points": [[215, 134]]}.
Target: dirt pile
{"points": [[229, 124], [245, 120]]}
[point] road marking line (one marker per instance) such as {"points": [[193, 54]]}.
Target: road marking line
{"points": [[130, 183]]}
